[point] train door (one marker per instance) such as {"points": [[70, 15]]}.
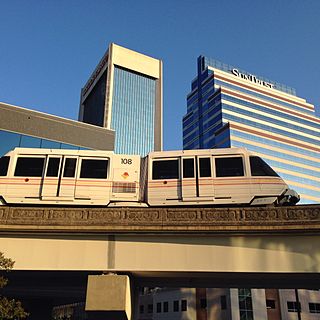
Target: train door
{"points": [[196, 182], [28, 173], [205, 178], [164, 181], [189, 180], [51, 178], [231, 183], [60, 178], [93, 180]]}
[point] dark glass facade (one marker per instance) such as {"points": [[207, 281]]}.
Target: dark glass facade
{"points": [[93, 106]]}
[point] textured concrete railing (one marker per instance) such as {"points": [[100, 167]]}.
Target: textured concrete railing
{"points": [[164, 220]]}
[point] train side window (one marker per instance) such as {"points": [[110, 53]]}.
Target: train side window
{"points": [[4, 164], [70, 167], [260, 168], [94, 168], [29, 167], [53, 167], [165, 169], [188, 168], [204, 167], [229, 167]]}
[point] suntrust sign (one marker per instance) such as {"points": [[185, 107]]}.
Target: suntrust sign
{"points": [[252, 78]]}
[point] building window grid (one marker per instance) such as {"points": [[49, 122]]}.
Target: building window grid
{"points": [[269, 109], [272, 142], [297, 158], [176, 306], [184, 305], [219, 83], [150, 308], [245, 304], [314, 307], [133, 98], [270, 304], [269, 125], [315, 128], [293, 306], [203, 303], [223, 302], [270, 129]]}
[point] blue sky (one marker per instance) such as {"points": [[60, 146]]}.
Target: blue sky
{"points": [[48, 49]]}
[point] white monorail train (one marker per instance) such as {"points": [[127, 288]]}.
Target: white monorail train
{"points": [[232, 176]]}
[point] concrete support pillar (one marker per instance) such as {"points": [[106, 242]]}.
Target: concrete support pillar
{"points": [[108, 297]]}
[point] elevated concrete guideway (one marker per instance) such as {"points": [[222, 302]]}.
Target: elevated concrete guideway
{"points": [[161, 240], [59, 247]]}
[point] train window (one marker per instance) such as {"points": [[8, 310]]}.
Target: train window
{"points": [[70, 167], [53, 167], [188, 168], [93, 168], [260, 168], [165, 169], [29, 167], [204, 167], [4, 164], [229, 167]]}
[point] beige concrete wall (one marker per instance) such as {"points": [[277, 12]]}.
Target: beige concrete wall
{"points": [[56, 253], [135, 61], [219, 253], [164, 253]]}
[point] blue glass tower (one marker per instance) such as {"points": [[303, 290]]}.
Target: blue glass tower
{"points": [[229, 107]]}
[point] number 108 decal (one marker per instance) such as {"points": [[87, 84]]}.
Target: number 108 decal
{"points": [[126, 161]]}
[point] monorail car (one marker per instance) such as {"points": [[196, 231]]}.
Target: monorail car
{"points": [[232, 176]]}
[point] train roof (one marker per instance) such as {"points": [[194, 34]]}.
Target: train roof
{"points": [[222, 151], [40, 151], [104, 153]]}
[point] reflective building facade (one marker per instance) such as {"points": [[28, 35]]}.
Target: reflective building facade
{"points": [[124, 94], [229, 107]]}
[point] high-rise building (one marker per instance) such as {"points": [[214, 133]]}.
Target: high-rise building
{"points": [[124, 93], [229, 107]]}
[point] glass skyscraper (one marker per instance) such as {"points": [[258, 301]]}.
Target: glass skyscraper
{"points": [[229, 107], [124, 94]]}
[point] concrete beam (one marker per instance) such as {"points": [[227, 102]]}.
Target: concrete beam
{"points": [[192, 220]]}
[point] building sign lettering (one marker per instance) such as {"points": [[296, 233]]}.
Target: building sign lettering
{"points": [[252, 78]]}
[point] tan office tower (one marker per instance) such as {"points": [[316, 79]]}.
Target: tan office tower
{"points": [[124, 93]]}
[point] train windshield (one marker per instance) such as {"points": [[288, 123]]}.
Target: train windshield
{"points": [[4, 164], [260, 168]]}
